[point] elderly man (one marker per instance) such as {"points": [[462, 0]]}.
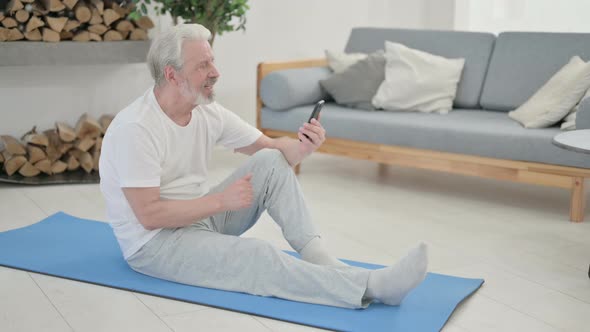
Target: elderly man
{"points": [[169, 225]]}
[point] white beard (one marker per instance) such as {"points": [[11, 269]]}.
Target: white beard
{"points": [[189, 92]]}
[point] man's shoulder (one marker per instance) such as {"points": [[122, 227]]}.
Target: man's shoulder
{"points": [[140, 113]]}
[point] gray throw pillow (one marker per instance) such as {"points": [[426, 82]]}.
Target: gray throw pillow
{"points": [[356, 86]]}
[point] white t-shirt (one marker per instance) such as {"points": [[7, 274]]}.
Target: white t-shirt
{"points": [[143, 147]]}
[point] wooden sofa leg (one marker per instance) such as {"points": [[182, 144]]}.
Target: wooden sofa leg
{"points": [[578, 200], [297, 168]]}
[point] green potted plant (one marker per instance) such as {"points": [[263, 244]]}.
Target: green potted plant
{"points": [[218, 16]]}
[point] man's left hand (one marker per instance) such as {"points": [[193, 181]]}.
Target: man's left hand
{"points": [[316, 134]]}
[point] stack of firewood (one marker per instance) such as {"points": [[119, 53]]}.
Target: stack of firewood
{"points": [[57, 150], [78, 20]]}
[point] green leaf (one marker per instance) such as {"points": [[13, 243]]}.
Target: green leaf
{"points": [[143, 8]]}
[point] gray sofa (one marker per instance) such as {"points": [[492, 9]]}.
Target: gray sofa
{"points": [[500, 73]]}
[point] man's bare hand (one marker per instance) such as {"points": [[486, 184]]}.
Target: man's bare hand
{"points": [[238, 195], [316, 135]]}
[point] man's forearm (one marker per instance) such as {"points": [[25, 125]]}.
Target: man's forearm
{"points": [[291, 149], [180, 213]]}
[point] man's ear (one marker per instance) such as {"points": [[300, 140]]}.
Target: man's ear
{"points": [[171, 75]]}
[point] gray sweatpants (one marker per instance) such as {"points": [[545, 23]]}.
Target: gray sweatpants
{"points": [[211, 254]]}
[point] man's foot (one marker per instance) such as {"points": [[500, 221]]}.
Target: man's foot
{"points": [[391, 284], [315, 253]]}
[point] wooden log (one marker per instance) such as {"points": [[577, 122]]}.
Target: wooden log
{"points": [[36, 139], [87, 126], [125, 34], [50, 35], [44, 166], [105, 121], [65, 147], [1, 15], [144, 22], [22, 16], [1, 158], [12, 145], [97, 145], [35, 154], [73, 163], [27, 1], [85, 143], [4, 33], [122, 11], [29, 170], [39, 10], [13, 6], [84, 158], [98, 4], [71, 25], [66, 35], [138, 34], [94, 36], [65, 132], [98, 29], [82, 12], [13, 164], [34, 35], [58, 167], [124, 26], [110, 16], [113, 35], [53, 5], [56, 23], [15, 34], [9, 22], [82, 36], [95, 160], [70, 4], [96, 17], [34, 23], [53, 150]]}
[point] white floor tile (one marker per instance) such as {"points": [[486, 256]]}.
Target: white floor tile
{"points": [[165, 307], [214, 320], [280, 326], [93, 308], [24, 307]]}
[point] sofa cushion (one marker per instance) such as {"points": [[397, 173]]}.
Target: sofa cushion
{"points": [[473, 132], [340, 61], [284, 89], [356, 86], [417, 81], [556, 98], [523, 61], [583, 115], [475, 47]]}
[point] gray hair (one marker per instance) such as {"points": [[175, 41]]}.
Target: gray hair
{"points": [[166, 48]]}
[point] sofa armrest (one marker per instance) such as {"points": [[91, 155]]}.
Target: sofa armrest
{"points": [[583, 115], [281, 85]]}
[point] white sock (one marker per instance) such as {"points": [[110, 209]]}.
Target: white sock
{"points": [[314, 252], [391, 284]]}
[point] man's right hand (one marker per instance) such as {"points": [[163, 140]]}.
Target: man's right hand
{"points": [[238, 195]]}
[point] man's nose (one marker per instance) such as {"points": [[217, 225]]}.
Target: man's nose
{"points": [[214, 73]]}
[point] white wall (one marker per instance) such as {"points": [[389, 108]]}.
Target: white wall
{"points": [[276, 30], [522, 15]]}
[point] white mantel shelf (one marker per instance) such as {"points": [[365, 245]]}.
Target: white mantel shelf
{"points": [[27, 53]]}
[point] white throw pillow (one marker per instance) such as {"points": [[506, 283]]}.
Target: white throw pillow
{"points": [[554, 100], [340, 61], [569, 122], [417, 81]]}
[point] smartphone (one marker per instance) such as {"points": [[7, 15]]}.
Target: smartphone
{"points": [[315, 114]]}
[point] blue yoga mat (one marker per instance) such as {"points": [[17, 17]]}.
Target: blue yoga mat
{"points": [[85, 250]]}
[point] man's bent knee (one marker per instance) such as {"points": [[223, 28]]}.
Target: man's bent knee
{"points": [[271, 157]]}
